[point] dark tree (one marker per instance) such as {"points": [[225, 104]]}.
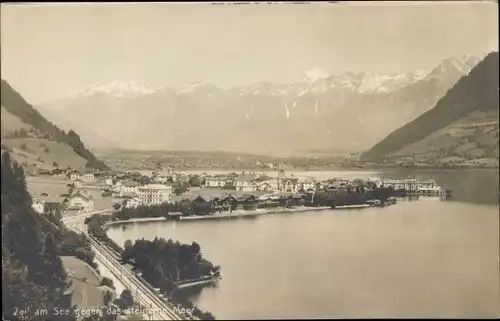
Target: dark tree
{"points": [[107, 282]]}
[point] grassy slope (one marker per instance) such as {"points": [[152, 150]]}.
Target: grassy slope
{"points": [[11, 122], [61, 153], [35, 153], [472, 135], [86, 292], [18, 113]]}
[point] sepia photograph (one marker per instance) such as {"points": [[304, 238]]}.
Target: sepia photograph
{"points": [[250, 160]]}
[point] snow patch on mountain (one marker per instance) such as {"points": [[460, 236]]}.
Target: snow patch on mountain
{"points": [[186, 89], [117, 89], [314, 74]]}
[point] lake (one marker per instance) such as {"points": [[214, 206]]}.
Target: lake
{"points": [[423, 258]]}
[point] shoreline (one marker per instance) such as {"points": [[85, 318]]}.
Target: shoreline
{"points": [[134, 220], [234, 214]]}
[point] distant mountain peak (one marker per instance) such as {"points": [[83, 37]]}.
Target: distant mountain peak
{"points": [[189, 88], [116, 88], [463, 64], [314, 74]]}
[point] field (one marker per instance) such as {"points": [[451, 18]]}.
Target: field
{"points": [[85, 283], [474, 137], [56, 186], [53, 186]]}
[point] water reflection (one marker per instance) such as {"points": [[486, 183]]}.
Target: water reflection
{"points": [[412, 198]]}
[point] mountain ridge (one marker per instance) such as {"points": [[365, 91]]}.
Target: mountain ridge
{"points": [[14, 105], [476, 91], [263, 116]]}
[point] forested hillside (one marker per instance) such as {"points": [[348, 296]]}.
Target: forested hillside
{"points": [[33, 276]]}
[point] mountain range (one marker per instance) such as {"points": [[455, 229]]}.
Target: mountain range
{"points": [[463, 124], [352, 111]]}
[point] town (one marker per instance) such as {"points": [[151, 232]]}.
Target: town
{"points": [[221, 193]]}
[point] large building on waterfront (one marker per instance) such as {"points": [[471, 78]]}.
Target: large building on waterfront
{"points": [[152, 194], [411, 184]]}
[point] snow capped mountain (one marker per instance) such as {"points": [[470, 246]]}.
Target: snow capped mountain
{"points": [[189, 88], [294, 114], [125, 89], [385, 83], [461, 64], [362, 82], [314, 74]]}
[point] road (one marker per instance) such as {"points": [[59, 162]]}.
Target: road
{"points": [[142, 293]]}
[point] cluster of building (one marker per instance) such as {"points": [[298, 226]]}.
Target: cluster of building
{"points": [[218, 190], [254, 182], [410, 185], [76, 201]]}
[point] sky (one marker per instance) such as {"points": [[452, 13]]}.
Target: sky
{"points": [[52, 50]]}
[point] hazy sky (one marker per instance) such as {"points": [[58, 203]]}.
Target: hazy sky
{"points": [[49, 51]]}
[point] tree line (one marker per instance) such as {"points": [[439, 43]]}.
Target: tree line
{"points": [[32, 271]]}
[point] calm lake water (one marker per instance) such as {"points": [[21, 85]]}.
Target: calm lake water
{"points": [[424, 258]]}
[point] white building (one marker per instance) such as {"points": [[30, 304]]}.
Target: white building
{"points": [[291, 185], [80, 202], [154, 194], [126, 188], [88, 177], [74, 175], [215, 181], [307, 184], [264, 187], [78, 183], [132, 202], [245, 183], [411, 184], [38, 206], [160, 179]]}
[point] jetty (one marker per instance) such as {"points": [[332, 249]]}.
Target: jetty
{"points": [[236, 214], [194, 282], [348, 207]]}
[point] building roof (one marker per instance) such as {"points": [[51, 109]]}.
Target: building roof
{"points": [[245, 178], [82, 195], [217, 179], [130, 183], [77, 207], [156, 187], [307, 180], [129, 194], [184, 196], [291, 179], [52, 199], [263, 178], [132, 199]]}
